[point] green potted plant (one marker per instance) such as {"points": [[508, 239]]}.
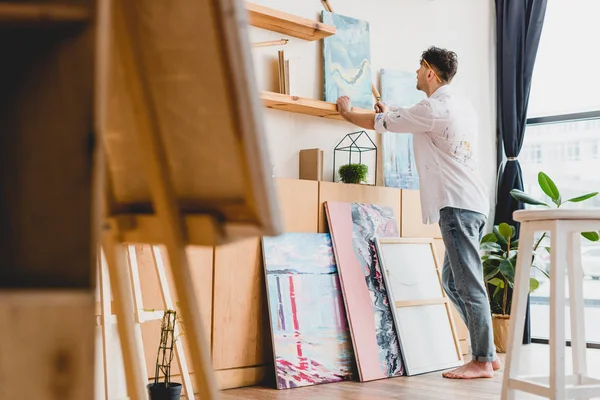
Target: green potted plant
{"points": [[499, 261], [167, 389], [500, 250], [353, 173]]}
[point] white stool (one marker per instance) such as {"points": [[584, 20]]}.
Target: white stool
{"points": [[565, 227]]}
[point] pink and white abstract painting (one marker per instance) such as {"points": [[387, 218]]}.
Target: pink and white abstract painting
{"points": [[353, 228], [311, 341]]}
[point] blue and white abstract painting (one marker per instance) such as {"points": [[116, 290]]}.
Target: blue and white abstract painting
{"points": [[399, 89], [347, 61]]}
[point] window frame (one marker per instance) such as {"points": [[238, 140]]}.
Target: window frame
{"points": [[557, 119]]}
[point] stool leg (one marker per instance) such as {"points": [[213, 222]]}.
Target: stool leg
{"points": [[578, 343], [517, 315], [558, 240]]}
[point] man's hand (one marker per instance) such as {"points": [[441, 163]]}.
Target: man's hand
{"points": [[363, 119], [343, 105], [380, 108]]}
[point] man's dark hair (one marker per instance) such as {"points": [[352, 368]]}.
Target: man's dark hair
{"points": [[444, 61]]}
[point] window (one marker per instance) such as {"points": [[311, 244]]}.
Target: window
{"points": [[568, 49], [562, 139], [573, 150]]}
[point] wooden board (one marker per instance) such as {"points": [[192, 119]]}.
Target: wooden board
{"points": [[299, 204], [423, 316], [412, 221], [46, 158], [201, 101], [240, 377], [240, 318], [288, 24], [366, 194], [301, 105], [47, 337], [201, 230], [39, 14]]}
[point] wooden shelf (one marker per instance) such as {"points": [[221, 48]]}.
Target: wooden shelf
{"points": [[288, 24], [301, 105], [38, 13]]}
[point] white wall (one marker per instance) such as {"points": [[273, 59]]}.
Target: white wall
{"points": [[400, 31]]}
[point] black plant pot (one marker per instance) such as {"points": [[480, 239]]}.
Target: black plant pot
{"points": [[158, 391]]}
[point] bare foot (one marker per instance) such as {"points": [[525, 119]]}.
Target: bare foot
{"points": [[471, 370], [496, 364]]}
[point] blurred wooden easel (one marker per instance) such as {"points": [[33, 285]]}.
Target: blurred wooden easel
{"points": [[186, 162]]}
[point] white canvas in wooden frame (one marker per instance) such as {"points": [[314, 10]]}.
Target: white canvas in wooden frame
{"points": [[422, 314]]}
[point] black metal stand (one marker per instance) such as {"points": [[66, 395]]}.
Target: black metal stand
{"points": [[165, 347], [354, 147]]}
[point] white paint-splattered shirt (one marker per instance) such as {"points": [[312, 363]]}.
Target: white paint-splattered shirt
{"points": [[445, 132]]}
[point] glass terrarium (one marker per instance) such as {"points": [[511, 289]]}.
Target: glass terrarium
{"points": [[355, 149]]}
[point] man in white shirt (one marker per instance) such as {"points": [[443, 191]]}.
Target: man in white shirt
{"points": [[445, 133]]}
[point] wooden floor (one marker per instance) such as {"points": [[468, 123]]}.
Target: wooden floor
{"points": [[431, 386]]}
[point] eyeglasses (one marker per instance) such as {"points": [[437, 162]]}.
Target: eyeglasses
{"points": [[429, 66]]}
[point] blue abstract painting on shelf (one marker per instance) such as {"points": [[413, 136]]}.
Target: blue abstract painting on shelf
{"points": [[398, 89], [347, 61]]}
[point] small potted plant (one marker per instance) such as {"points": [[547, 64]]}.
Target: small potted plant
{"points": [[499, 263], [166, 390], [353, 173]]}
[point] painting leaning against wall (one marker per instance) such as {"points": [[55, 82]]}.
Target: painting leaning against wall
{"points": [[354, 227], [347, 61], [398, 89], [310, 335]]}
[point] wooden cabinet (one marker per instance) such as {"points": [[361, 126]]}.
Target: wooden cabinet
{"points": [[412, 221], [383, 196], [239, 300], [298, 202], [230, 279], [241, 334]]}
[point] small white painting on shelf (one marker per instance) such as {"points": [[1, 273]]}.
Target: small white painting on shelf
{"points": [[398, 89]]}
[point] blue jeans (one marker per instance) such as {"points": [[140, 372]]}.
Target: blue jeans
{"points": [[462, 277]]}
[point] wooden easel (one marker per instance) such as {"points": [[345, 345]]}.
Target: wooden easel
{"points": [[180, 122], [141, 315]]}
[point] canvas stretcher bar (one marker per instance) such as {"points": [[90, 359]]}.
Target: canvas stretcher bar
{"points": [[426, 302]]}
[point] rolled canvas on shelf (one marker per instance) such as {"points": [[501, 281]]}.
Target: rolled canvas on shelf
{"points": [[353, 228], [422, 313], [311, 340]]}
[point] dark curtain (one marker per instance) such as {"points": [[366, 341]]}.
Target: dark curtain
{"points": [[518, 29]]}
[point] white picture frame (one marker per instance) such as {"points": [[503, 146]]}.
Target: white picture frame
{"points": [[422, 315]]}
